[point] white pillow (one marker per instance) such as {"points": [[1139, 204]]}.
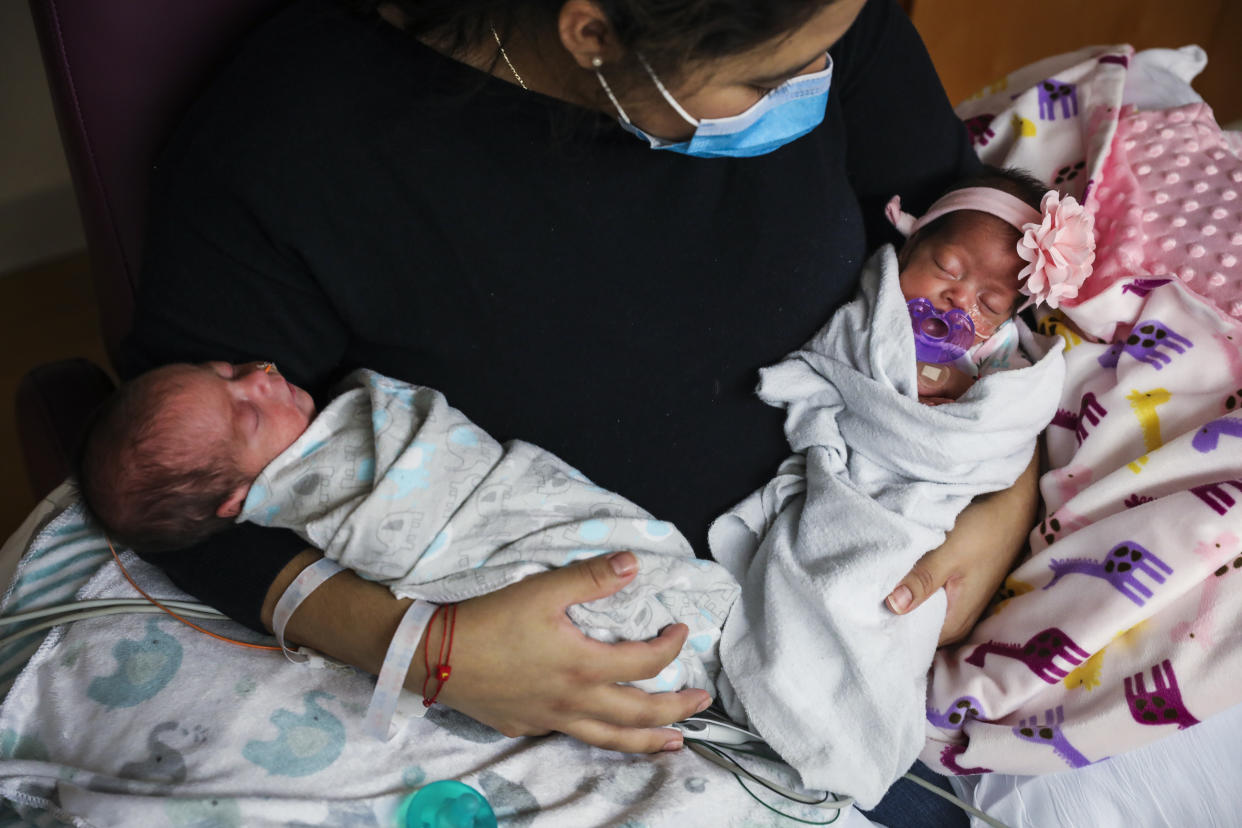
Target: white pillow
{"points": [[1160, 78], [1189, 778]]}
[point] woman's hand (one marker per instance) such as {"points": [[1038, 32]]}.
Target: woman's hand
{"points": [[519, 664], [975, 557], [524, 668]]}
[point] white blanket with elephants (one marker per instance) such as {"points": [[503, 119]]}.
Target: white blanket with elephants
{"points": [[139, 720]]}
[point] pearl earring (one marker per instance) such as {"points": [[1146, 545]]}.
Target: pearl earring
{"points": [[597, 62]]}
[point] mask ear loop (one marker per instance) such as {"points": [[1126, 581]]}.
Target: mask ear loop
{"points": [[686, 116], [596, 63]]}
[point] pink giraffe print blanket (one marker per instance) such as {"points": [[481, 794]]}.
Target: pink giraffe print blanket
{"points": [[1118, 627]]}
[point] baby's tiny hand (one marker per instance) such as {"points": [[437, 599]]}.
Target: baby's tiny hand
{"points": [[940, 384]]}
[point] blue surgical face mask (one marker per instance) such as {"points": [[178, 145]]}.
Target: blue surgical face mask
{"points": [[789, 111]]}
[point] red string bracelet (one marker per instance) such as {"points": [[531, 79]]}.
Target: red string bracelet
{"points": [[443, 669]]}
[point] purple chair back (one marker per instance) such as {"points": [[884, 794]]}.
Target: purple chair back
{"points": [[122, 72]]}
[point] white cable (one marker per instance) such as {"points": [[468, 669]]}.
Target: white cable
{"points": [[73, 606], [970, 809], [98, 613], [718, 755]]}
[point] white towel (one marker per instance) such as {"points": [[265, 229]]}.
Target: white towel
{"points": [[825, 672]]}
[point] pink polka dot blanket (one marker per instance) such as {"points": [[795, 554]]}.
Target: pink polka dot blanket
{"points": [[1167, 204], [1119, 627]]}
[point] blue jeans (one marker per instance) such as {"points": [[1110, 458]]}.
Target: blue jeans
{"points": [[907, 805]]}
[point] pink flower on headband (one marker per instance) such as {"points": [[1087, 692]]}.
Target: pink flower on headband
{"points": [[1060, 250]]}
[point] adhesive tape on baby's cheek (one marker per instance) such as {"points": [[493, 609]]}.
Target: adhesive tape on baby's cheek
{"points": [[983, 328]]}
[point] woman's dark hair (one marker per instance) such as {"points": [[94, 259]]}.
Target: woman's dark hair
{"points": [[145, 473], [1013, 180], [667, 32]]}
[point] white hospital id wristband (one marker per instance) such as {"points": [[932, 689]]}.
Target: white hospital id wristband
{"points": [[391, 680], [308, 581]]}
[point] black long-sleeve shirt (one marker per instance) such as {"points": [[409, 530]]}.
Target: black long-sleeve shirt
{"points": [[343, 196]]}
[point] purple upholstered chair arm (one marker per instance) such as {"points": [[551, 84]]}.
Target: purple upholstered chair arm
{"points": [[54, 402], [121, 72]]}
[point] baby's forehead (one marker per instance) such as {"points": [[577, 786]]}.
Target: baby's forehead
{"points": [[170, 381], [990, 242], [976, 226], [184, 392]]}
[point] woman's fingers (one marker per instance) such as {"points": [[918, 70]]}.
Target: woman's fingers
{"points": [[627, 740], [923, 580], [974, 558], [521, 666], [627, 706], [636, 660], [591, 579], [625, 718]]}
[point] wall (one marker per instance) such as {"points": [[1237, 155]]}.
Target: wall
{"points": [[38, 214], [975, 43]]}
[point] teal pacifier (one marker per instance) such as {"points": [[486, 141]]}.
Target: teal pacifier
{"points": [[446, 804]]}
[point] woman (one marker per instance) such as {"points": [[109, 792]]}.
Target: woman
{"points": [[509, 202]]}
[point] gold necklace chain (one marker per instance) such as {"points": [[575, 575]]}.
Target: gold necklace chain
{"points": [[505, 55]]}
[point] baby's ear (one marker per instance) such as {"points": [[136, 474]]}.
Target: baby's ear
{"points": [[231, 506]]}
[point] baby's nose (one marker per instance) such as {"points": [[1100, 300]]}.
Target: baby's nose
{"points": [[259, 375], [962, 296]]}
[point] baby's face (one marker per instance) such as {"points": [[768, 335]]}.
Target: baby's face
{"points": [[972, 265], [257, 413]]}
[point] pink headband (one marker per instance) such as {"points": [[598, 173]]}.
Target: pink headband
{"points": [[1058, 240], [1009, 209]]}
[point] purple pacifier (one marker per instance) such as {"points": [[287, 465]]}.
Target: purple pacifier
{"points": [[939, 337]]}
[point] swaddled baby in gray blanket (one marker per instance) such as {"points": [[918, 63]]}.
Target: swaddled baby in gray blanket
{"points": [[392, 482]]}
